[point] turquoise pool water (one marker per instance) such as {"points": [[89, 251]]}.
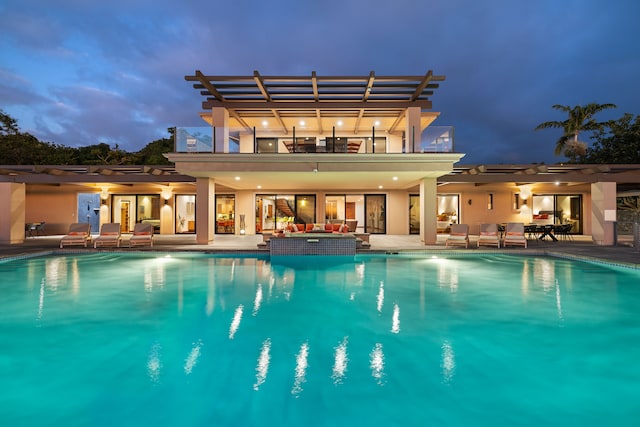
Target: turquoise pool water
{"points": [[145, 339]]}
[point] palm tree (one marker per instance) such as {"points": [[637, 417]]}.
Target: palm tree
{"points": [[580, 119]]}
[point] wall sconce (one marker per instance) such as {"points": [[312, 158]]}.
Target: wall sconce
{"points": [[166, 202], [103, 202]]}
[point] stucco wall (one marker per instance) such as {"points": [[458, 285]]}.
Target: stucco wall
{"points": [[474, 205], [57, 209]]}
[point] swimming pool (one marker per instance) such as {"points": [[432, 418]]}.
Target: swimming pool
{"points": [[183, 339]]}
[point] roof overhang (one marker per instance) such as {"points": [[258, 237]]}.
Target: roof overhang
{"points": [[315, 172]]}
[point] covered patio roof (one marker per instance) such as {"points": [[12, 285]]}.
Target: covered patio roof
{"points": [[532, 173], [317, 103], [624, 175]]}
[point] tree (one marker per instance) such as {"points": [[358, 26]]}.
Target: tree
{"points": [[18, 148], [580, 119], [8, 125], [618, 143], [152, 153]]}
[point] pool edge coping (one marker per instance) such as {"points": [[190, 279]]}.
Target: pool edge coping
{"points": [[251, 252]]}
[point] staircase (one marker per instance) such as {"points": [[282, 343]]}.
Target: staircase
{"points": [[283, 208]]}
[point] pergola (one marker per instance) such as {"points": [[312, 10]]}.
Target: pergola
{"points": [[280, 103]]}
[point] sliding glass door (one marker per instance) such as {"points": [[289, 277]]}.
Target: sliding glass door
{"points": [[375, 213], [275, 211]]}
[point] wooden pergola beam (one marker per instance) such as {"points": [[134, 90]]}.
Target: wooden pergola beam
{"points": [[207, 84], [367, 90], [260, 83], [422, 85]]}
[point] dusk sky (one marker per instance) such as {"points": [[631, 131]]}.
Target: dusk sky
{"points": [[80, 72]]}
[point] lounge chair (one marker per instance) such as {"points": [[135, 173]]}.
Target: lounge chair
{"points": [[459, 235], [514, 235], [142, 235], [109, 235], [489, 235], [79, 234]]}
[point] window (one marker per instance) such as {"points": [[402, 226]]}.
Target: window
{"points": [[377, 144], [414, 214], [336, 145], [558, 209], [225, 214], [334, 209], [448, 211], [185, 205], [267, 145]]}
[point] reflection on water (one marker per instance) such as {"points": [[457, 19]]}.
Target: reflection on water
{"points": [[263, 364], [257, 300], [448, 362], [544, 272], [41, 300], [192, 359], [395, 321], [380, 298], [301, 369], [154, 364], [558, 301], [376, 359], [448, 274], [235, 323], [340, 362], [55, 272]]}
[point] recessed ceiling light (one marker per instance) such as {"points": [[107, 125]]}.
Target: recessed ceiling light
{"points": [[237, 178], [395, 178], [259, 187], [376, 123], [302, 123], [265, 123], [380, 187], [339, 123]]}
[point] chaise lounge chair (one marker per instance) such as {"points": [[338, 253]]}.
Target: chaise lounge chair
{"points": [[79, 234], [459, 235], [109, 235], [142, 235], [514, 235], [489, 235]]}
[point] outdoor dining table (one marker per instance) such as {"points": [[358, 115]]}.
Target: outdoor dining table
{"points": [[547, 230]]}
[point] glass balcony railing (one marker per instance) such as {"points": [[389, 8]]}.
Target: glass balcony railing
{"points": [[434, 139]]}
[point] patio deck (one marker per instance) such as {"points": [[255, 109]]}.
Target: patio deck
{"points": [[580, 247]]}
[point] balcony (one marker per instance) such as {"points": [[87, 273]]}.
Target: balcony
{"points": [[434, 139]]}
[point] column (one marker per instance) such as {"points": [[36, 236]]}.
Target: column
{"points": [[603, 199], [205, 201], [166, 213], [428, 199], [220, 120], [413, 131], [12, 214]]}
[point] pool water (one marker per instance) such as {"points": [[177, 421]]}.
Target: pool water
{"points": [[154, 339]]}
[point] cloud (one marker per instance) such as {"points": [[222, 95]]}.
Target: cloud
{"points": [[77, 72]]}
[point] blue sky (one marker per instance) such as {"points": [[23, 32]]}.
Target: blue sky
{"points": [[79, 72]]}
